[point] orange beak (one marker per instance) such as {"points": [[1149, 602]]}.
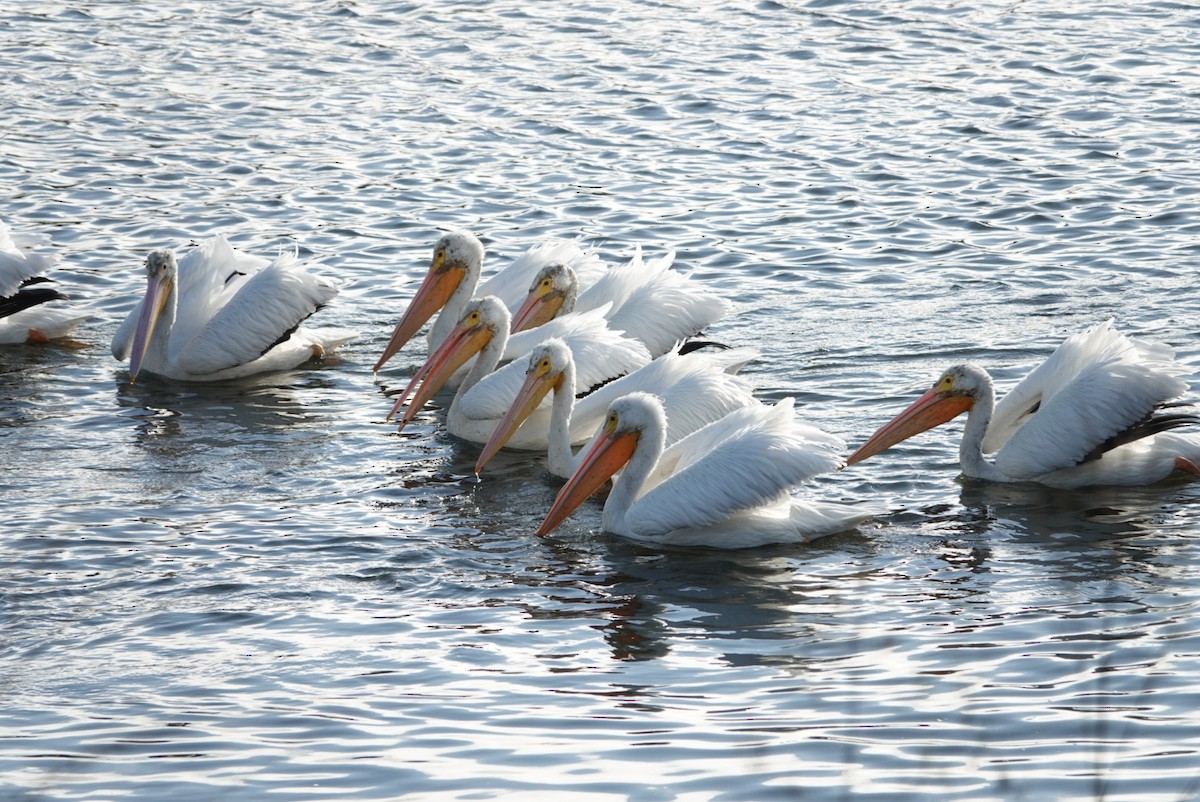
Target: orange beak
{"points": [[606, 456], [461, 344], [537, 309], [157, 293], [931, 409], [532, 392], [435, 290]]}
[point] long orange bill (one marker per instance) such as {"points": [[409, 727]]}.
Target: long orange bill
{"points": [[603, 459], [930, 410], [536, 310], [528, 397], [459, 346], [431, 296], [157, 292]]}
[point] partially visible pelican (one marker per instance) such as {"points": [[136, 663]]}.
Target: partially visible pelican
{"points": [[485, 393], [695, 389], [222, 314], [1089, 415], [725, 485], [27, 313], [453, 280], [646, 300]]}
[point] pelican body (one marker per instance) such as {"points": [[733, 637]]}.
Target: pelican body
{"points": [[29, 311], [1091, 414], [453, 280], [726, 485], [695, 389], [221, 314]]}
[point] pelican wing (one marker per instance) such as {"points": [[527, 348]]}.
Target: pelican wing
{"points": [[749, 458], [666, 310], [1104, 400], [695, 389], [265, 309], [1099, 345], [210, 276], [17, 262], [615, 285]]}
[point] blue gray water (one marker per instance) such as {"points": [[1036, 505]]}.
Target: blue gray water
{"points": [[260, 590]]}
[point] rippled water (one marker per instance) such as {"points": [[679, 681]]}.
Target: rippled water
{"points": [[261, 590]]}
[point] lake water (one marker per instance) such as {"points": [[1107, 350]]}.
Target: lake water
{"points": [[261, 591]]}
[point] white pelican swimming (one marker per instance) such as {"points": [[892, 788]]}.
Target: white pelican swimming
{"points": [[221, 314], [28, 312], [486, 393], [695, 389], [726, 485], [453, 280], [1088, 415], [646, 300]]}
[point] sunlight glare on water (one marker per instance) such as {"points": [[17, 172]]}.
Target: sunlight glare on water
{"points": [[261, 589]]}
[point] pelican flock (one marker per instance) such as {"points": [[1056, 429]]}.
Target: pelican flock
{"points": [[558, 351], [486, 392]]}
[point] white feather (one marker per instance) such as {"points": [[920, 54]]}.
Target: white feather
{"points": [[265, 306]]}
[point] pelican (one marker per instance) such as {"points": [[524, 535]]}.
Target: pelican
{"points": [[222, 314], [453, 280], [27, 313], [647, 300], [1088, 415], [485, 393], [695, 389], [725, 485]]}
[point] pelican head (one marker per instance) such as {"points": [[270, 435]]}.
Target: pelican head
{"points": [[954, 393], [458, 256], [552, 293], [548, 365], [162, 273], [630, 419], [482, 320]]}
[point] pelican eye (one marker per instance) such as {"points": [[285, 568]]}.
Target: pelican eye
{"points": [[611, 423]]}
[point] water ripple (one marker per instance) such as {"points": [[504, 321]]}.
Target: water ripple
{"points": [[262, 589]]}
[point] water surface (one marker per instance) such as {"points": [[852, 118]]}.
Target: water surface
{"points": [[261, 590]]}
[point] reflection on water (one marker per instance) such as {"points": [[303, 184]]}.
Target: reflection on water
{"points": [[270, 593]]}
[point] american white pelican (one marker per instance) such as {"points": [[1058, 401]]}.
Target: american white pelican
{"points": [[726, 485], [453, 280], [486, 393], [1089, 415], [221, 314], [27, 311], [646, 300], [695, 389]]}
